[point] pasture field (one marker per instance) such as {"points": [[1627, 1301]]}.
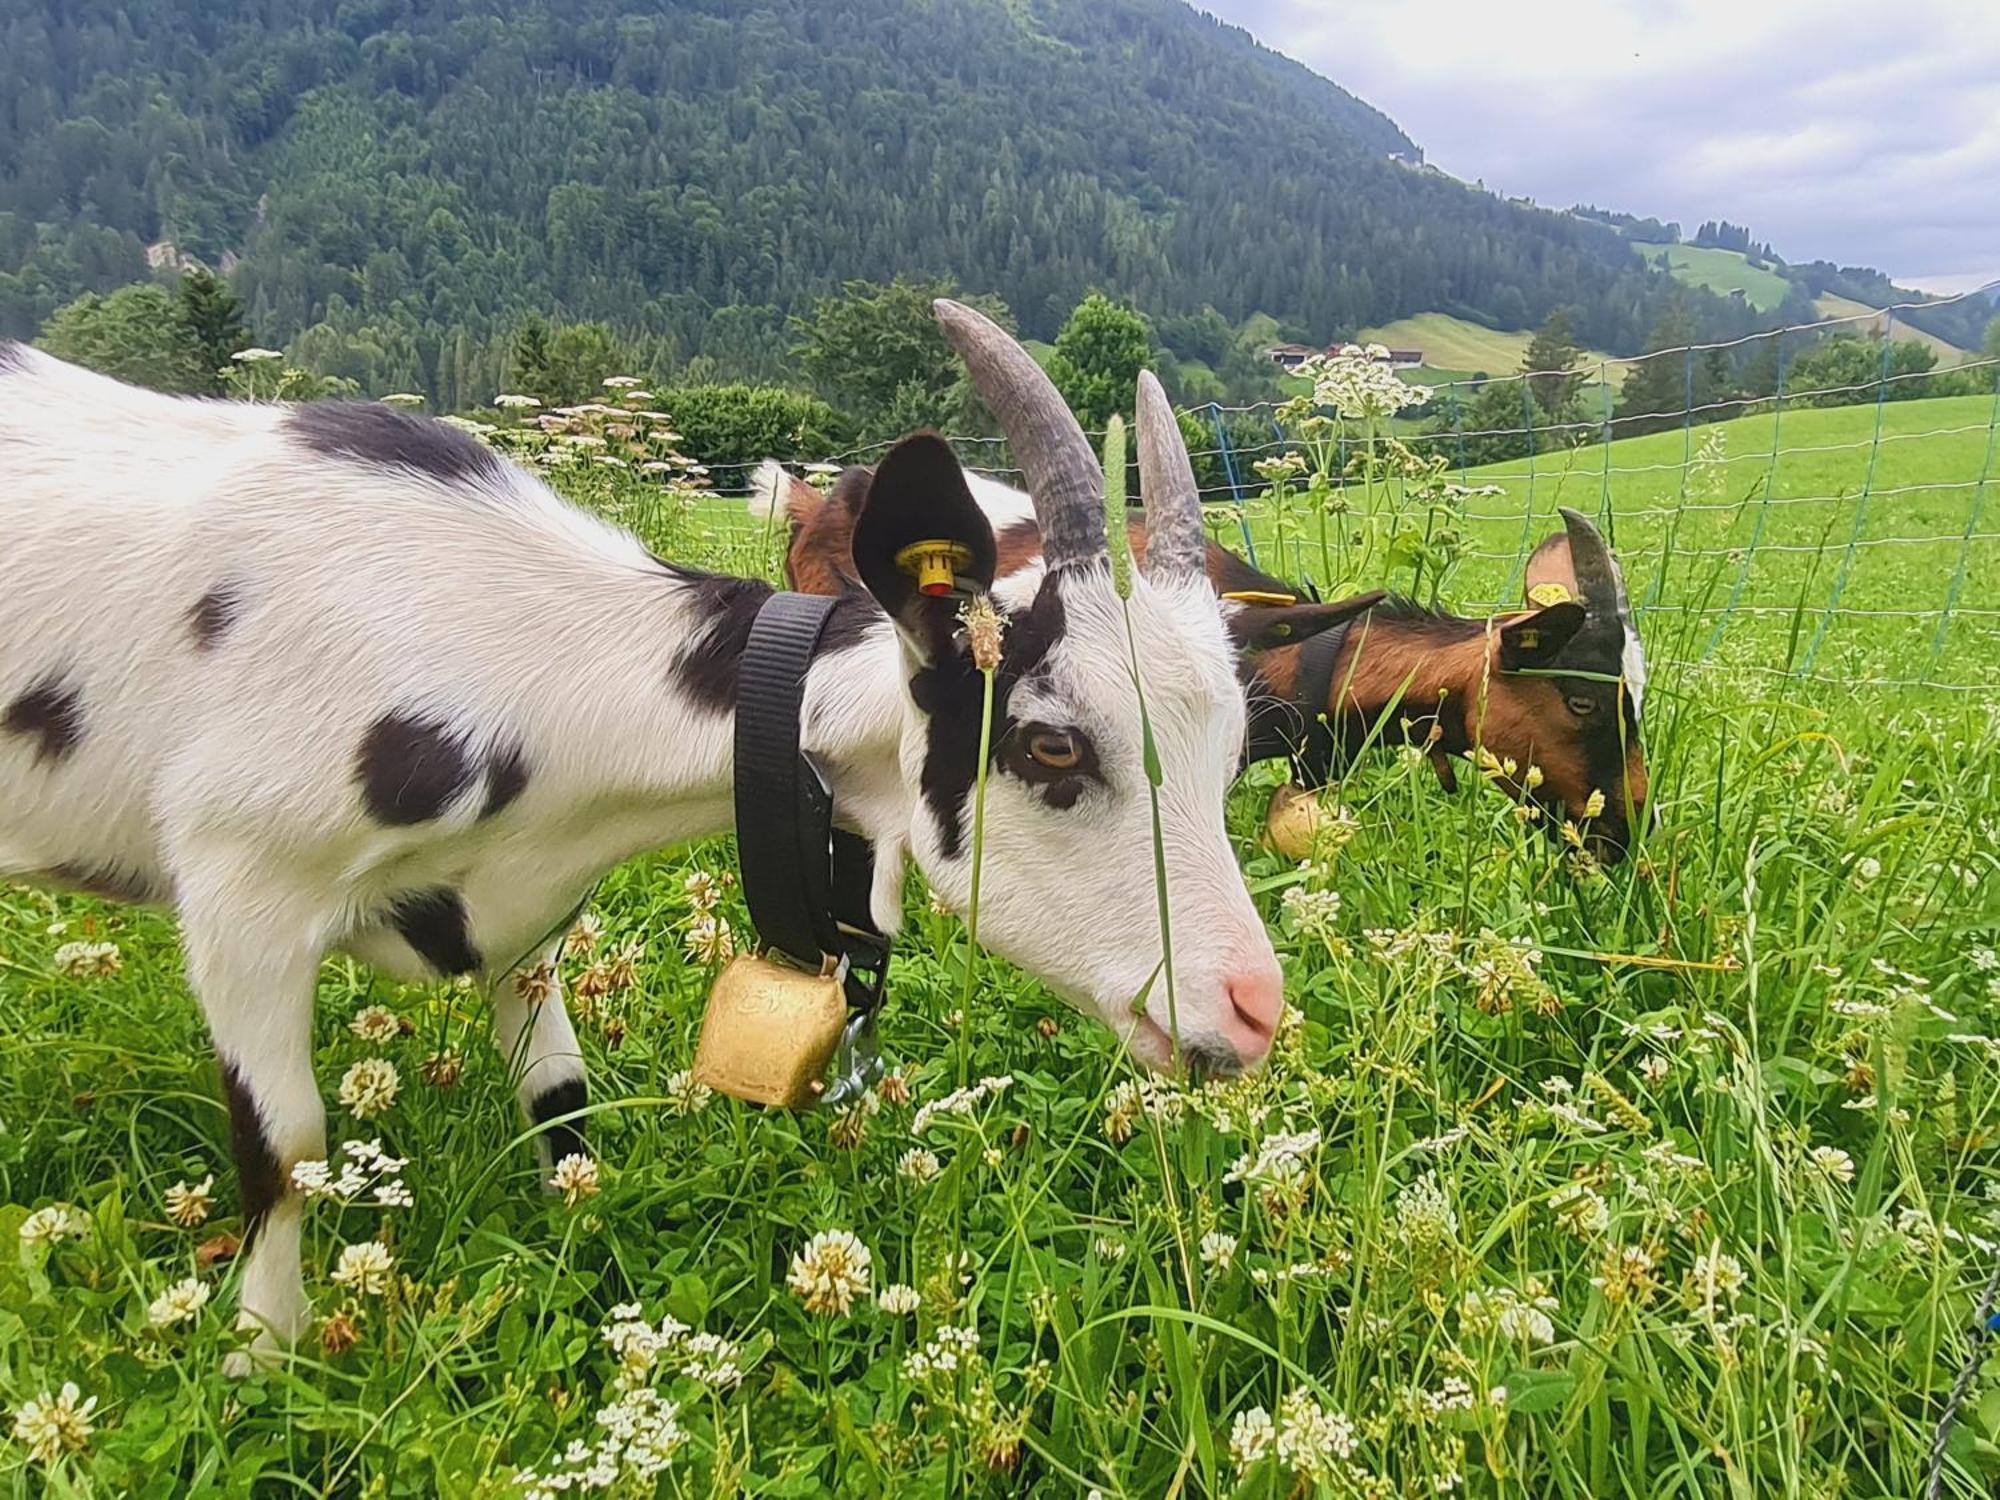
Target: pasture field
{"points": [[1832, 306], [1674, 1179], [1721, 271], [1455, 349]]}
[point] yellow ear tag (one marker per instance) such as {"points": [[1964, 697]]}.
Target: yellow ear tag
{"points": [[1257, 596], [934, 565], [1545, 594]]}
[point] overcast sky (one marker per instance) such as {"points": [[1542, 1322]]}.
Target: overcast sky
{"points": [[1865, 133]]}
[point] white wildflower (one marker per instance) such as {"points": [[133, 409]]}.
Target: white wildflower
{"points": [[1218, 1249], [898, 1300], [180, 1303], [576, 1178], [51, 1426], [918, 1165], [88, 960], [1251, 1436], [369, 1087], [188, 1203], [830, 1272], [364, 1268], [687, 1095], [54, 1224], [375, 1023]]}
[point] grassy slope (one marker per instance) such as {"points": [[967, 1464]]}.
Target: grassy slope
{"points": [[1866, 319], [1683, 528], [1841, 828], [1722, 271], [1454, 348]]}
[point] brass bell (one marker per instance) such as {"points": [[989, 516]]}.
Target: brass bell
{"points": [[769, 1031], [1294, 822]]}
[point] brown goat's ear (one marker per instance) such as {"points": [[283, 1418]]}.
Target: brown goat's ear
{"points": [[917, 498], [1259, 627], [1533, 642]]}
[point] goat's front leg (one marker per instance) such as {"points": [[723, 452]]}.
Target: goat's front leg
{"points": [[253, 955], [533, 1030]]}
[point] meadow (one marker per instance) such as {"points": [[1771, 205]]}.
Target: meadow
{"points": [[1672, 1179]]}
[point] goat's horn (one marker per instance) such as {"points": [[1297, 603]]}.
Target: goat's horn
{"points": [[1597, 576], [1064, 477], [1175, 542]]}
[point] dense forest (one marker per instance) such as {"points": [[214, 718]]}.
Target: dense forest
{"points": [[394, 185]]}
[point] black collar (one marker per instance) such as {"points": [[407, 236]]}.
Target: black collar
{"points": [[807, 883], [1300, 728]]}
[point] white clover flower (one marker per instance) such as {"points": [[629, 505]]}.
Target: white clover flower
{"points": [[1653, 1069], [1313, 1441], [365, 1268], [1218, 1249], [54, 1224], [711, 1359], [1832, 1163], [188, 1203], [948, 1348], [576, 1178], [1715, 1276], [180, 1303], [51, 1426], [1108, 1249], [88, 960], [1251, 1436], [375, 1023], [918, 1165], [709, 940], [686, 1095], [1281, 1161], [830, 1272], [369, 1087], [898, 1300], [1521, 1317], [1423, 1216], [1308, 910], [960, 1101]]}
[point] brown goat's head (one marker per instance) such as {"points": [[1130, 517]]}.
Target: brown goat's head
{"points": [[1567, 687]]}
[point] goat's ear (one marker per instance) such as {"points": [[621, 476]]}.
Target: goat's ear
{"points": [[918, 496], [1533, 642], [1550, 577], [1259, 627]]}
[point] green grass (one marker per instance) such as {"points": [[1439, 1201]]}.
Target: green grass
{"points": [[1756, 1052], [1860, 318], [1454, 345], [1722, 271]]}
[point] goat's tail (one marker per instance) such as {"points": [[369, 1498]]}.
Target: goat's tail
{"points": [[774, 492]]}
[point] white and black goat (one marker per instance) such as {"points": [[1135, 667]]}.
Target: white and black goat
{"points": [[338, 677]]}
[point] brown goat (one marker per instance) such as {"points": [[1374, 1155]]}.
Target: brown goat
{"points": [[1556, 687]]}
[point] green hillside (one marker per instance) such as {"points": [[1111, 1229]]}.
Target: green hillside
{"points": [[1861, 318], [418, 177], [1722, 272], [1455, 349]]}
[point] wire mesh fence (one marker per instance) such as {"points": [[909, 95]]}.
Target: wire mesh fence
{"points": [[1825, 521]]}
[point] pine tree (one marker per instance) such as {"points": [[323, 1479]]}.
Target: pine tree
{"points": [[1553, 380], [213, 317]]}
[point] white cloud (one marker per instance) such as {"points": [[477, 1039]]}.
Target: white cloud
{"points": [[1846, 130]]}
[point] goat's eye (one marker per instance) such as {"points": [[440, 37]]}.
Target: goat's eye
{"points": [[1581, 706], [1054, 749]]}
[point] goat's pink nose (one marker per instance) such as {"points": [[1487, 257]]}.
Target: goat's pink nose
{"points": [[1256, 997]]}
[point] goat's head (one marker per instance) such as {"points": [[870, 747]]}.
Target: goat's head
{"points": [[1068, 889], [1571, 679]]}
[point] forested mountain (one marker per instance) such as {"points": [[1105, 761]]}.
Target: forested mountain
{"points": [[408, 179]]}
